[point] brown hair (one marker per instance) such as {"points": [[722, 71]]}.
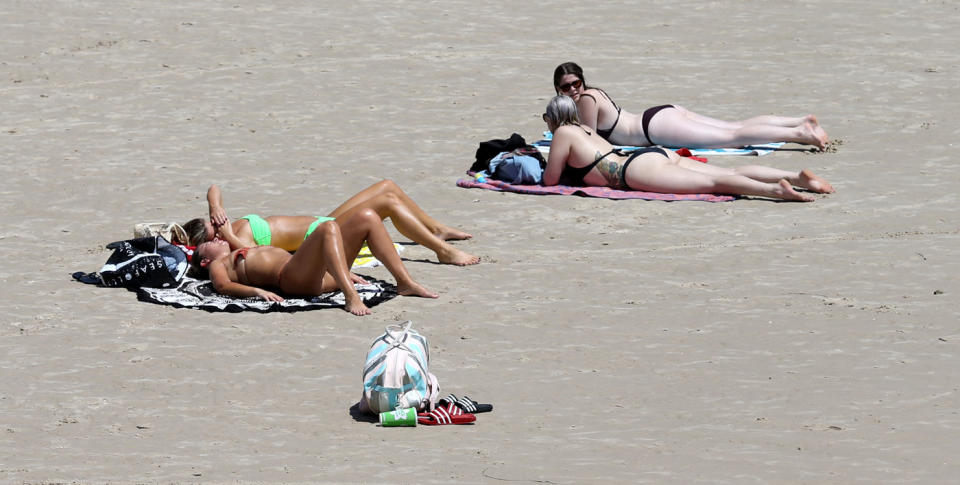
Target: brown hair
{"points": [[196, 232], [564, 69], [196, 269]]}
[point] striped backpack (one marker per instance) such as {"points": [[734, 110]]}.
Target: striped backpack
{"points": [[396, 372]]}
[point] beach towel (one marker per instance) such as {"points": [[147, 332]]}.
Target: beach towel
{"points": [[199, 294], [752, 150], [604, 192], [365, 257]]}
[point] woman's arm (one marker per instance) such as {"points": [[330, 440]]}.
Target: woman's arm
{"points": [[557, 159], [223, 284], [226, 233], [220, 221], [218, 216], [589, 110]]}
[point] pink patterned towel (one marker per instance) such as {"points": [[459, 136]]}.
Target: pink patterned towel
{"points": [[605, 192]]}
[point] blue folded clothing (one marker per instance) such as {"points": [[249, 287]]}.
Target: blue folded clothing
{"points": [[514, 168]]}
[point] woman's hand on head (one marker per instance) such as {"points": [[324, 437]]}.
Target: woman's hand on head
{"points": [[225, 231], [218, 217]]}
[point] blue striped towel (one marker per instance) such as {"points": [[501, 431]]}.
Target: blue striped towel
{"points": [[754, 150]]}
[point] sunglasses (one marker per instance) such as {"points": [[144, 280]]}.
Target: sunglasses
{"points": [[566, 87]]}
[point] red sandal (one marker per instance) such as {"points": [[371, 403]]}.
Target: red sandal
{"points": [[441, 416]]}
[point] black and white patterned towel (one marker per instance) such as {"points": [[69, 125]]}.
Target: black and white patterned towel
{"points": [[200, 294]]}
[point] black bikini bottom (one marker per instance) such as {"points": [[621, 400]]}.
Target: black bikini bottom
{"points": [[648, 115], [635, 154]]}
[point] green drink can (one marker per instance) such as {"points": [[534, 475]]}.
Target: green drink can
{"points": [[399, 417]]}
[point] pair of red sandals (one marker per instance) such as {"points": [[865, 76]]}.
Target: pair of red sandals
{"points": [[453, 410]]}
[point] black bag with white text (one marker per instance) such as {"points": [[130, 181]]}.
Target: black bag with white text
{"points": [[147, 261]]}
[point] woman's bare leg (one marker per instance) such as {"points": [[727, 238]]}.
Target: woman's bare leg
{"points": [[372, 197], [408, 225], [362, 225], [404, 217], [756, 120], [663, 176], [320, 266], [673, 127], [803, 178], [755, 172]]}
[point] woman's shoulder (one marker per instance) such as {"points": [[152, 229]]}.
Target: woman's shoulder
{"points": [[595, 96], [567, 130], [575, 134], [591, 94], [599, 95]]}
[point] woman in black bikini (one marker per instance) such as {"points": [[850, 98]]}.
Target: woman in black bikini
{"points": [[675, 126], [579, 156]]}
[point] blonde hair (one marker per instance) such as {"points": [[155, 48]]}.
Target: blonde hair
{"points": [[562, 110]]}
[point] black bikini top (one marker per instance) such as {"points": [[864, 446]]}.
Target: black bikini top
{"points": [[605, 134]]}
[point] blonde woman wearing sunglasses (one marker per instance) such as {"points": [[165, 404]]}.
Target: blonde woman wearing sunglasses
{"points": [[675, 126]]}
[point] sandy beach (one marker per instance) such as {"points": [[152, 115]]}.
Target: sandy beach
{"points": [[619, 341]]}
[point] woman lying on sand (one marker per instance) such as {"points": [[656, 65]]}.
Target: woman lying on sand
{"points": [[579, 157], [385, 198], [320, 264], [675, 126]]}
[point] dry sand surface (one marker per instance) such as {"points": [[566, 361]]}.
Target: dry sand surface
{"points": [[686, 342]]}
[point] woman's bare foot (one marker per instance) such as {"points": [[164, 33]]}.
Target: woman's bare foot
{"points": [[786, 192], [813, 134], [818, 131], [448, 233], [414, 289], [356, 307], [813, 183], [452, 255]]}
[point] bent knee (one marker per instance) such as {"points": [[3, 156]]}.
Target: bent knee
{"points": [[329, 228], [367, 216], [388, 185], [391, 198]]}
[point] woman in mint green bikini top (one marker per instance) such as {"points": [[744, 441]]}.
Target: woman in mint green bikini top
{"points": [[384, 198]]}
